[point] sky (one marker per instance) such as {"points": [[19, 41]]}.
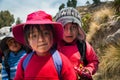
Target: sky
{"points": [[20, 8]]}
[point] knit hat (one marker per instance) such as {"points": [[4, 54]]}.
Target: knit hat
{"points": [[70, 14], [38, 17]]}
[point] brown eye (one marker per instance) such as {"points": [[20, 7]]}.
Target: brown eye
{"points": [[73, 27], [33, 36], [46, 32]]}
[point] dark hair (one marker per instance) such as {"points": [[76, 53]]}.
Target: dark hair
{"points": [[30, 27]]}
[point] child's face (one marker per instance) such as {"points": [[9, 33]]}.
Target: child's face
{"points": [[13, 45], [70, 32], [41, 41]]}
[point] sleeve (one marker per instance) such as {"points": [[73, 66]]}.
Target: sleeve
{"points": [[20, 72], [92, 59], [67, 71]]}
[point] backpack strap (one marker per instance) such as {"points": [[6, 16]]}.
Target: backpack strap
{"points": [[57, 61], [27, 59], [82, 49]]}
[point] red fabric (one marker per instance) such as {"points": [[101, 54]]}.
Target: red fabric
{"points": [[38, 17], [71, 51], [42, 68]]}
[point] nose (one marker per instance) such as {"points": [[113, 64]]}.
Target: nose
{"points": [[69, 30], [41, 38]]}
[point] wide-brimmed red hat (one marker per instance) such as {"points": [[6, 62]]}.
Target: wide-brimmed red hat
{"points": [[39, 17]]}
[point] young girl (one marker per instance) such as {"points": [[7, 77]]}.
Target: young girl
{"points": [[12, 53], [74, 46], [41, 34]]}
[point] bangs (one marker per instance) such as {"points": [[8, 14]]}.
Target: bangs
{"points": [[29, 29]]}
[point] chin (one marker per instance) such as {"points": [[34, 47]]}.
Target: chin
{"points": [[68, 41]]}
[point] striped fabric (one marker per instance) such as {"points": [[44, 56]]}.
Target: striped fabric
{"points": [[13, 62]]}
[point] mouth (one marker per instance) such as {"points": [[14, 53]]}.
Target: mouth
{"points": [[42, 45], [69, 36]]}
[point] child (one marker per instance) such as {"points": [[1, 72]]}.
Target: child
{"points": [[12, 53], [41, 34], [74, 44]]}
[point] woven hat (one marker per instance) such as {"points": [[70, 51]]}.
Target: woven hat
{"points": [[38, 17], [70, 14]]}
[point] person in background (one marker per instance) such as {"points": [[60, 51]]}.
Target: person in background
{"points": [[40, 33], [1, 54], [74, 46], [12, 51]]}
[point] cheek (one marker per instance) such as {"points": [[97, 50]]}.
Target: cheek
{"points": [[32, 44], [50, 41], [64, 34], [75, 34]]}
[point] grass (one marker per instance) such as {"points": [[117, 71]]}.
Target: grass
{"points": [[99, 17], [110, 63]]}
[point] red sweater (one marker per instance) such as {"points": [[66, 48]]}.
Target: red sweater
{"points": [[72, 52], [42, 68]]}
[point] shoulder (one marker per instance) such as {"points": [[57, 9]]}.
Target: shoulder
{"points": [[64, 58], [61, 54], [23, 58], [88, 45]]}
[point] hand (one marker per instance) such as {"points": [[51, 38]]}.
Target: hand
{"points": [[83, 73]]}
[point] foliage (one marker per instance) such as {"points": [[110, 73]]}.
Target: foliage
{"points": [[117, 6], [18, 21], [110, 63], [6, 19], [99, 17], [88, 3], [86, 20], [96, 2], [69, 3], [72, 3], [62, 6]]}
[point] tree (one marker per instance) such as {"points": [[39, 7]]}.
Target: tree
{"points": [[62, 6], [96, 2], [6, 19], [18, 21], [88, 3], [72, 3], [69, 4]]}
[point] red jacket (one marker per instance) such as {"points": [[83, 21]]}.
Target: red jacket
{"points": [[43, 68], [71, 51]]}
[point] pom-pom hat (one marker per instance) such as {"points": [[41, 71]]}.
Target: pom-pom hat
{"points": [[70, 14]]}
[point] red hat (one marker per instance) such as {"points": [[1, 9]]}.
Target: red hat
{"points": [[39, 17]]}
